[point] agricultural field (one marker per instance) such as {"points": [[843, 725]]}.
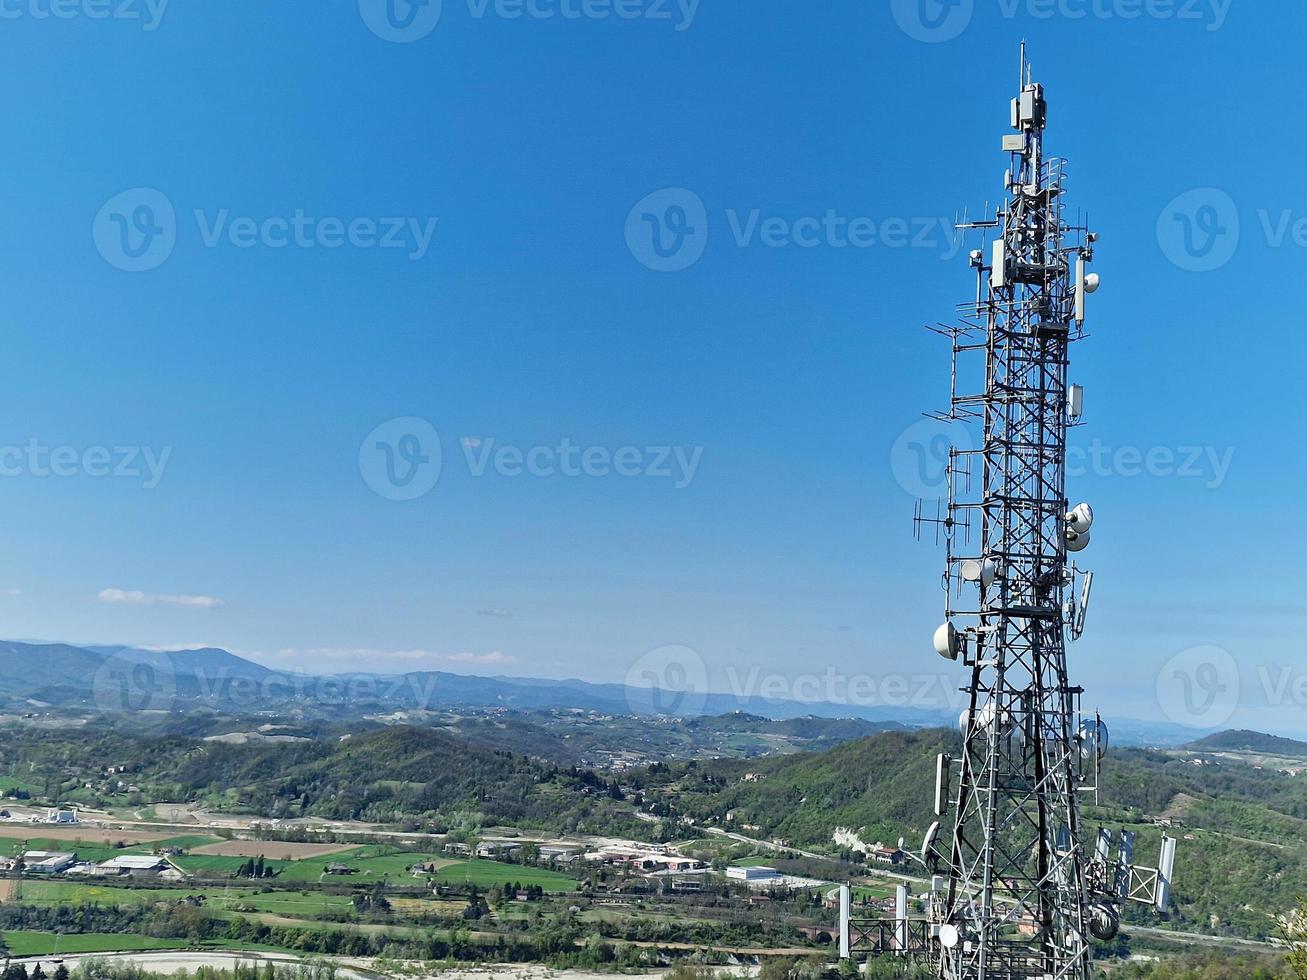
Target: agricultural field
{"points": [[487, 873], [370, 861], [28, 892], [216, 865], [22, 943], [189, 842], [101, 836], [303, 904], [279, 850], [372, 864]]}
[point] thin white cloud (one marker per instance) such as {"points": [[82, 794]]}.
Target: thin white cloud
{"points": [[496, 613], [362, 655], [10, 592], [131, 597], [175, 647], [494, 657]]}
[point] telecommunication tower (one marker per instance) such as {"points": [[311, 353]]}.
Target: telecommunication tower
{"points": [[1015, 892]]}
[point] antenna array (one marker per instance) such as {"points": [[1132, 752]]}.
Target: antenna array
{"points": [[1015, 891]]}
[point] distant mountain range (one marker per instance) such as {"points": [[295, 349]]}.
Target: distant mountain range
{"points": [[123, 678], [1246, 741]]}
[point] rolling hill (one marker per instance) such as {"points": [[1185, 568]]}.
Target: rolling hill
{"points": [[1242, 858], [98, 678], [1246, 741]]}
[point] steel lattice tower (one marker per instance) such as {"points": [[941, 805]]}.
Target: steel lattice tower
{"points": [[1017, 898], [1015, 893]]}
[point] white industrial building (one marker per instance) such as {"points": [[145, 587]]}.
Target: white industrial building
{"points": [[48, 862], [134, 864], [753, 874]]}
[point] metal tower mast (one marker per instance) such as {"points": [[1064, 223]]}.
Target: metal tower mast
{"points": [[1017, 898], [1015, 893]]}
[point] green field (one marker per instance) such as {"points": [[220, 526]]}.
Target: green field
{"points": [[304, 904], [10, 783], [223, 866], [375, 862], [22, 943], [82, 893], [372, 862], [486, 873]]}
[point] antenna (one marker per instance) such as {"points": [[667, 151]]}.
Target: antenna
{"points": [[1029, 900], [1078, 626], [1025, 753], [1018, 890]]}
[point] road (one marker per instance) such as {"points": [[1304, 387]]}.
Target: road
{"points": [[766, 844]]}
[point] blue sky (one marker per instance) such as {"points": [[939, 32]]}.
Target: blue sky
{"points": [[244, 385]]}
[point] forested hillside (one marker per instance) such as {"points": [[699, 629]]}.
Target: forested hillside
{"points": [[1242, 856], [415, 777], [1243, 848]]}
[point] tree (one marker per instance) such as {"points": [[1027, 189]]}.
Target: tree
{"points": [[1296, 933]]}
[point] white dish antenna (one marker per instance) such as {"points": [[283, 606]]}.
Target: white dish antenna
{"points": [[1093, 737], [982, 570], [1104, 921], [1076, 540], [948, 643], [1081, 519], [928, 843], [984, 718]]}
